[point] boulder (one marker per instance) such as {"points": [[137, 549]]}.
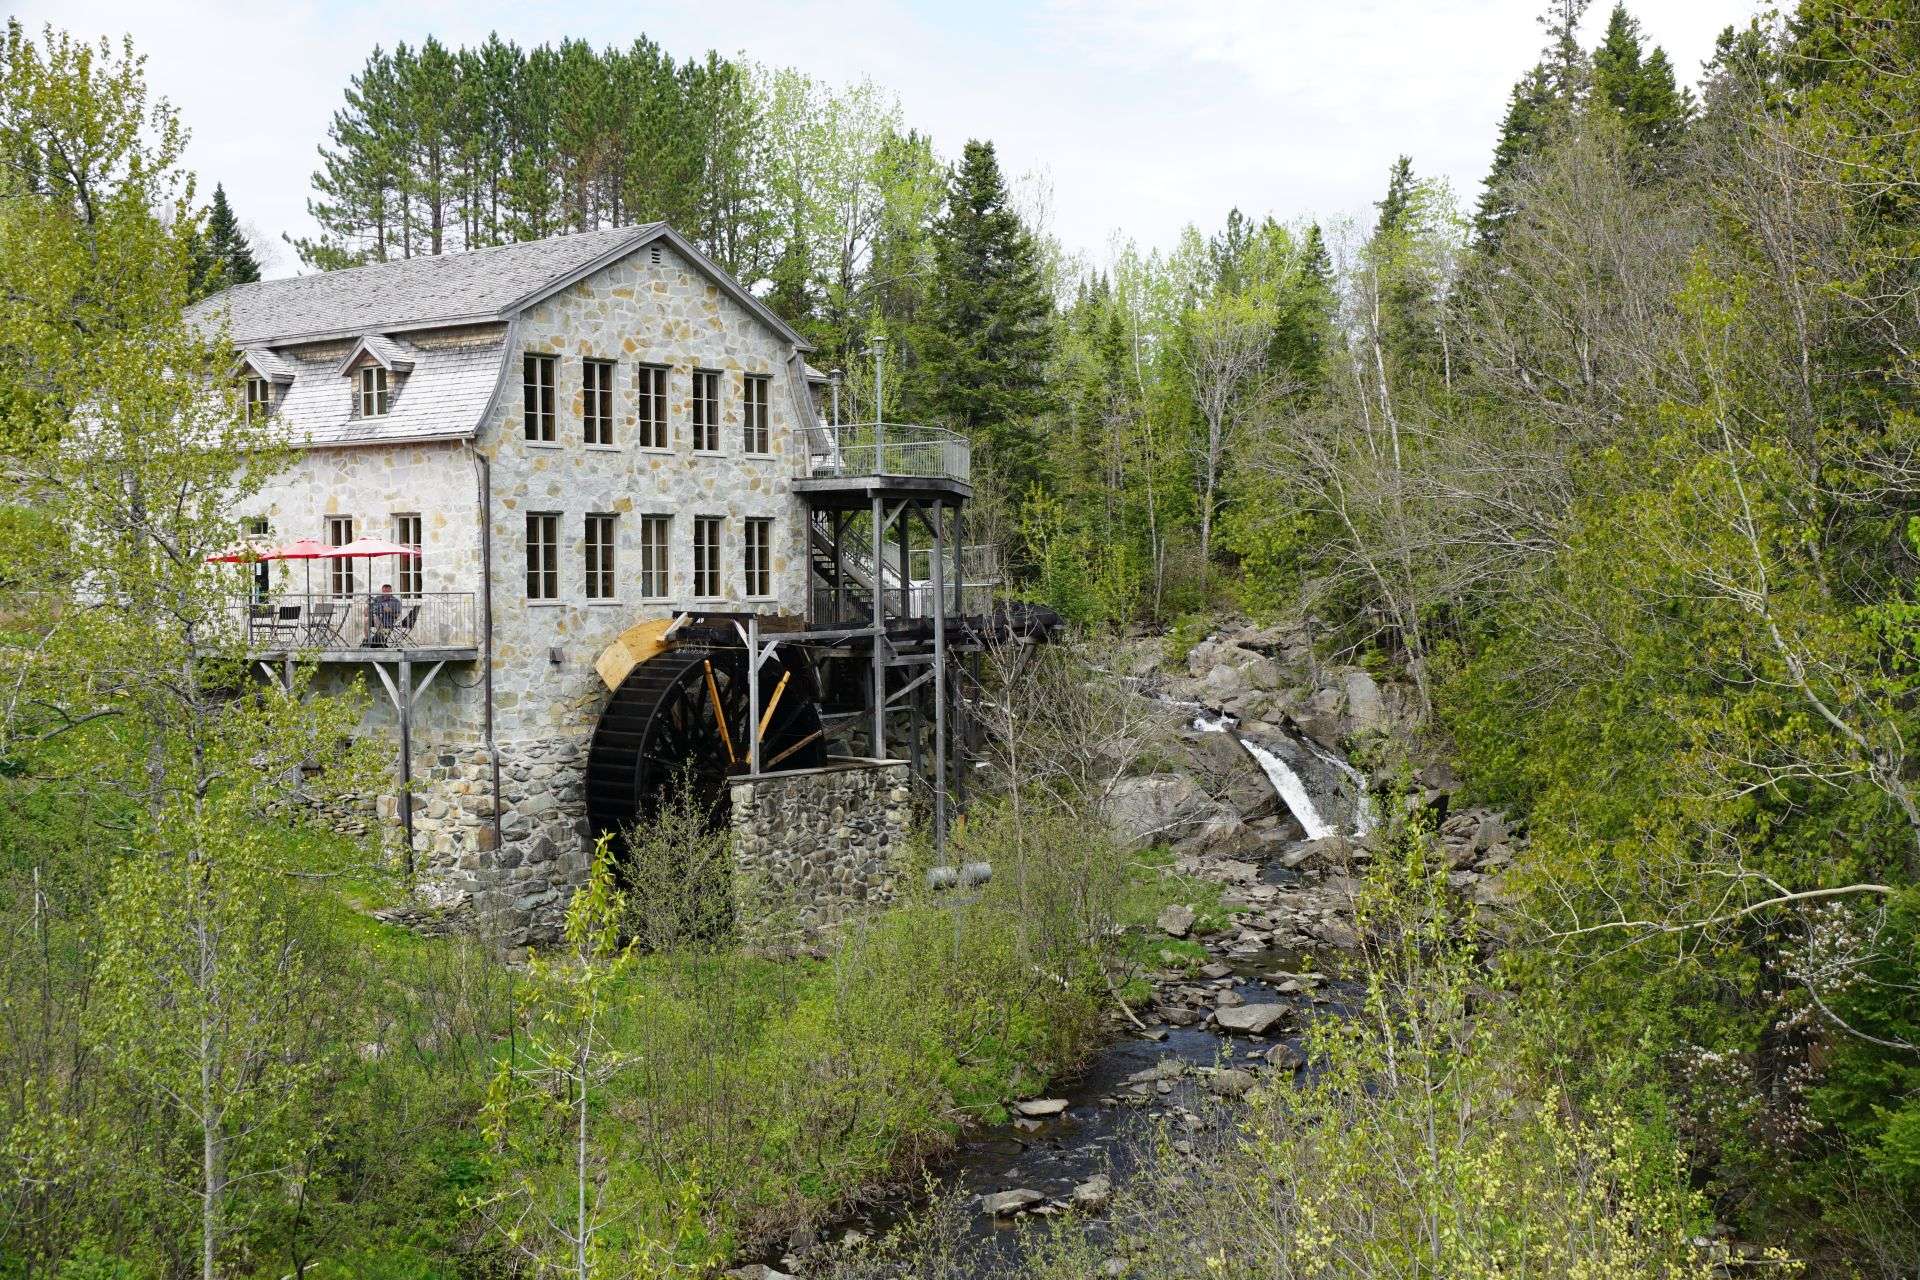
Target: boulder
{"points": [[1004, 1204], [1094, 1193], [1160, 807], [1037, 1108], [1230, 1082], [1250, 1019], [1366, 708], [1284, 1057], [1261, 673], [1224, 682], [1175, 921], [1492, 831]]}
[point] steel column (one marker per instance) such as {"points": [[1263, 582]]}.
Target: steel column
{"points": [[939, 683], [879, 633]]}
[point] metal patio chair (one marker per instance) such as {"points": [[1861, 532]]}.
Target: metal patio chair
{"points": [[323, 626]]}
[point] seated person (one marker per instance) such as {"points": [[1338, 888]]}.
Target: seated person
{"points": [[383, 614]]}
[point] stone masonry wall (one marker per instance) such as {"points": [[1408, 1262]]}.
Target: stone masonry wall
{"points": [[816, 847], [633, 312], [645, 309]]}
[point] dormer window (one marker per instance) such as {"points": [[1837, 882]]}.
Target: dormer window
{"points": [[259, 399], [374, 396]]}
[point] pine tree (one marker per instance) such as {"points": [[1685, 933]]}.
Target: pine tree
{"points": [[1542, 102], [985, 351], [1639, 88], [220, 255], [1394, 206]]}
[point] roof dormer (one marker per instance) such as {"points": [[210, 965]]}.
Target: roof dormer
{"points": [[381, 350], [375, 364], [263, 362]]}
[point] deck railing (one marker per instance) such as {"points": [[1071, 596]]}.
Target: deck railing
{"points": [[884, 449], [328, 623]]}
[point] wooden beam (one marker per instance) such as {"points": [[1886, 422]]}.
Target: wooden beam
{"points": [[766, 716], [719, 716], [795, 747]]}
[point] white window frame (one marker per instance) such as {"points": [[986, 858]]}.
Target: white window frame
{"points": [[340, 575], [596, 402], [756, 396], [407, 574], [656, 560], [375, 396], [709, 581], [756, 558], [650, 391], [543, 556], [599, 548], [705, 411], [539, 376], [259, 401]]}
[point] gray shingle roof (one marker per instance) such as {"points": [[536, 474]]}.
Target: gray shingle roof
{"points": [[441, 399], [269, 363], [409, 292]]}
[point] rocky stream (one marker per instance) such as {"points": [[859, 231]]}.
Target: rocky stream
{"points": [[1257, 794]]}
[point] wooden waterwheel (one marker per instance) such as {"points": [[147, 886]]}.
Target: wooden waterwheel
{"points": [[685, 716]]}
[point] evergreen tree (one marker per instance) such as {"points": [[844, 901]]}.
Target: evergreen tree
{"points": [[220, 254], [986, 349], [1639, 88], [1542, 102], [1394, 206], [1306, 320]]}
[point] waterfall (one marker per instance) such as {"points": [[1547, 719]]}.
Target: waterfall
{"points": [[1287, 784], [1364, 816]]}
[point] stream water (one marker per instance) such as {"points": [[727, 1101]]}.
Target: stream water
{"points": [[1107, 1102]]}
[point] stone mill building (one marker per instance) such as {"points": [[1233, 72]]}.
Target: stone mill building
{"points": [[639, 552]]}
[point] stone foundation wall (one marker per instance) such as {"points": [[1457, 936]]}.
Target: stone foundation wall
{"points": [[815, 847], [516, 884], [511, 885]]}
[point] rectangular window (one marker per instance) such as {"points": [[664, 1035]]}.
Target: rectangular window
{"points": [[754, 413], [596, 400], [373, 391], [706, 557], [536, 379], [406, 573], [259, 530], [543, 556], [653, 407], [655, 532], [599, 556], [706, 410], [756, 561], [259, 399], [339, 568]]}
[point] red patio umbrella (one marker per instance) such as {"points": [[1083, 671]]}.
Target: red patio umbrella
{"points": [[308, 549], [365, 545]]}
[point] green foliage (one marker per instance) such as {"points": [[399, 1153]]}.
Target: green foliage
{"points": [[987, 340], [221, 255]]}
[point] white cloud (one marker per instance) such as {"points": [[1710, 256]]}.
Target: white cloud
{"points": [[1143, 115]]}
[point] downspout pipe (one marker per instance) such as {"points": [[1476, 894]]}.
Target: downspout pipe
{"points": [[483, 500]]}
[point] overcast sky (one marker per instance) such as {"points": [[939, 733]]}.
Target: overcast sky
{"points": [[1141, 116]]}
